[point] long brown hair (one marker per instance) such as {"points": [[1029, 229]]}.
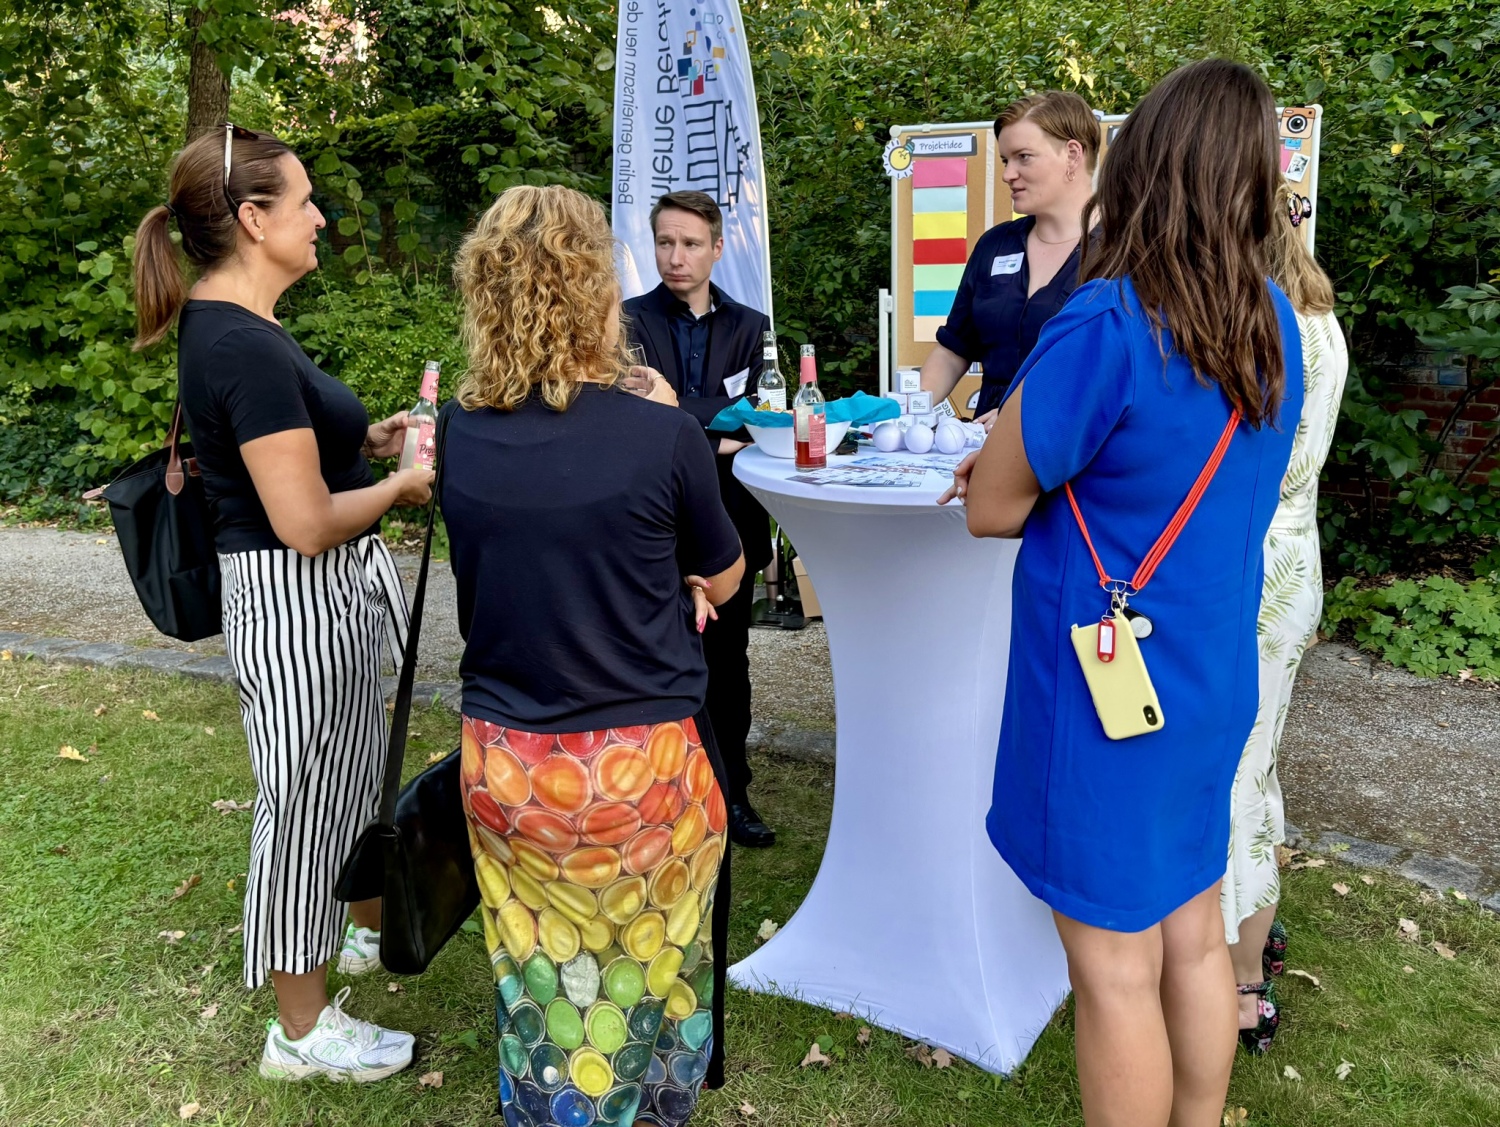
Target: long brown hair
{"points": [[199, 201], [541, 301], [1186, 200], [1294, 269]]}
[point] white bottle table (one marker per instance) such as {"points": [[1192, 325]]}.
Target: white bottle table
{"points": [[914, 921]]}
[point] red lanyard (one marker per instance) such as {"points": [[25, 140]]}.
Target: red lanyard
{"points": [[1168, 537]]}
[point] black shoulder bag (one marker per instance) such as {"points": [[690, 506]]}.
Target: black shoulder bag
{"points": [[416, 855], [166, 533]]}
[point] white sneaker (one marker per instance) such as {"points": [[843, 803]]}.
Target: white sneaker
{"points": [[361, 950], [339, 1047]]}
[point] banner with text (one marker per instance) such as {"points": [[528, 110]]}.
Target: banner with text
{"points": [[685, 118]]}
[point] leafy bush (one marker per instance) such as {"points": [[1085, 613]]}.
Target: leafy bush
{"points": [[1433, 627], [34, 481]]}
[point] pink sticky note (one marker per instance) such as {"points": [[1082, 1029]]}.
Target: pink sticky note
{"points": [[939, 172]]}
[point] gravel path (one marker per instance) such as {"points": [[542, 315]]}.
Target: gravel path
{"points": [[1408, 767]]}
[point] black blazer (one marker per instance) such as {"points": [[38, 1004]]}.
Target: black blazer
{"points": [[734, 345]]}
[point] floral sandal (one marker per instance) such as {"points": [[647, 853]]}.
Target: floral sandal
{"points": [[1258, 1039], [1273, 958]]}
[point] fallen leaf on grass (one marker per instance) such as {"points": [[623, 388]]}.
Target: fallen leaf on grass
{"points": [[1465, 674], [921, 1054], [1310, 977], [101, 710], [1235, 1117], [843, 1015], [394, 988], [1291, 1073], [186, 886], [1342, 1071], [863, 1036], [1458, 895], [1409, 970], [1368, 879], [236, 929], [229, 885], [1285, 855], [187, 1111], [435, 757], [768, 928], [68, 751], [6, 655], [1408, 929], [431, 1080], [942, 1058], [1341, 888], [1310, 863], [230, 806], [1443, 949], [171, 936], [149, 715], [209, 1012], [747, 1109], [207, 730], [815, 1056]]}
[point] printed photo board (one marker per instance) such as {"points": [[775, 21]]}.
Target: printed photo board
{"points": [[946, 191]]}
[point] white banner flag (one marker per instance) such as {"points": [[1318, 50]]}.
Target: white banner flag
{"points": [[685, 119]]}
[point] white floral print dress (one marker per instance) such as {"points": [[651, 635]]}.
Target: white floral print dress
{"points": [[1291, 605]]}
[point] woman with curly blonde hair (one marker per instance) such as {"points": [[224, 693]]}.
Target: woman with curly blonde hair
{"points": [[582, 518]]}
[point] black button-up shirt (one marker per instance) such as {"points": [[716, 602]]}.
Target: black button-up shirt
{"points": [[690, 339], [992, 320]]}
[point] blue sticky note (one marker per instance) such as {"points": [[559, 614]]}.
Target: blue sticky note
{"points": [[932, 303]]}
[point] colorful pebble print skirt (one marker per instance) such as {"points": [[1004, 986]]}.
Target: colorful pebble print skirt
{"points": [[599, 856]]}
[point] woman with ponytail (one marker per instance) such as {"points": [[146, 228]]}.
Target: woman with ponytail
{"points": [[310, 591]]}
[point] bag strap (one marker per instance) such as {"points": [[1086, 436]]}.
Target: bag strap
{"points": [[176, 479], [1174, 529], [395, 754]]}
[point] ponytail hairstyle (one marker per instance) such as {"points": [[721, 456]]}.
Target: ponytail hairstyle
{"points": [[207, 213], [1187, 199], [1293, 266]]}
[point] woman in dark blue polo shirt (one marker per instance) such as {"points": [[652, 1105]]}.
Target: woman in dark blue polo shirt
{"points": [[1021, 272]]}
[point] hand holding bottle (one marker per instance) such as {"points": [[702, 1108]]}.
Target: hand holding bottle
{"points": [[384, 439], [413, 486]]}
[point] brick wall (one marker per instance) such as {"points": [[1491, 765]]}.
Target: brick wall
{"points": [[1433, 383]]}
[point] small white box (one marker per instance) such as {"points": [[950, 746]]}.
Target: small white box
{"points": [[908, 380], [919, 403], [944, 409], [900, 398], [930, 419]]}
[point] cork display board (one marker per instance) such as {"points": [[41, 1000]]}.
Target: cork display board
{"points": [[946, 192]]}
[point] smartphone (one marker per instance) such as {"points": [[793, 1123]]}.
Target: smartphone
{"points": [[1123, 694]]}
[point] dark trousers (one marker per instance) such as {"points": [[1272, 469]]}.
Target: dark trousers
{"points": [[726, 646]]}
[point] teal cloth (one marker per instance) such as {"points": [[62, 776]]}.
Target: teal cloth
{"points": [[857, 410]]}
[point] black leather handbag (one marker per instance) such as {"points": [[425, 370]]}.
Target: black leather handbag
{"points": [[166, 533], [416, 854]]}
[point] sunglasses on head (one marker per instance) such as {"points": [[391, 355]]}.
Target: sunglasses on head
{"points": [[231, 132]]}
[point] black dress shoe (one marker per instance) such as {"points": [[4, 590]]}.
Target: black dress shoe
{"points": [[746, 828]]}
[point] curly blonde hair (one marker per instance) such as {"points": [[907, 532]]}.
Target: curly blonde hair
{"points": [[541, 300]]}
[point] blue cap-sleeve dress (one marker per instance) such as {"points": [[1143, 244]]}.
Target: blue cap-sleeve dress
{"points": [[1119, 834]]}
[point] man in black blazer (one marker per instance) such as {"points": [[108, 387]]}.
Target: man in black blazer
{"points": [[709, 348]]}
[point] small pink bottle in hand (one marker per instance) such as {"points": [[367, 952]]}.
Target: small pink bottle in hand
{"points": [[420, 448]]}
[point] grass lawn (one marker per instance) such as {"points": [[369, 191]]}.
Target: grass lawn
{"points": [[103, 1021]]}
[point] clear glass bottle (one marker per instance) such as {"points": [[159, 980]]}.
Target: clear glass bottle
{"points": [[809, 416], [420, 448], [770, 392]]}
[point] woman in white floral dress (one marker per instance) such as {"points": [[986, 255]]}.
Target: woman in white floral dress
{"points": [[1291, 606]]}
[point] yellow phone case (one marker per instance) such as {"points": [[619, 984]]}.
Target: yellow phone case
{"points": [[1123, 694]]}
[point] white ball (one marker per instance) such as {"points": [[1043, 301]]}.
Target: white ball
{"points": [[887, 437], [949, 439], [919, 438]]}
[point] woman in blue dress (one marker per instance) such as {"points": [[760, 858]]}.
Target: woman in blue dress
{"points": [[1128, 390]]}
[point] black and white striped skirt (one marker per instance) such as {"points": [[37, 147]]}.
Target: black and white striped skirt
{"points": [[305, 636]]}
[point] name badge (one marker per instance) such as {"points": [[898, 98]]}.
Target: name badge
{"points": [[1007, 264], [735, 384]]}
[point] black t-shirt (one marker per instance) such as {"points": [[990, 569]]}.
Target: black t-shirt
{"points": [[570, 533], [240, 378], [993, 320]]}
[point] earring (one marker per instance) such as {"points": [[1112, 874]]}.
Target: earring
{"points": [[263, 238], [1070, 175]]}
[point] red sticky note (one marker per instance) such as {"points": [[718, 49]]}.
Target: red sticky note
{"points": [[940, 172], [939, 252]]}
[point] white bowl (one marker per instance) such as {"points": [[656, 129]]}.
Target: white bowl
{"points": [[781, 442]]}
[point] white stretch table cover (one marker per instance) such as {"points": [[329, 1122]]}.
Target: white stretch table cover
{"points": [[914, 920]]}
